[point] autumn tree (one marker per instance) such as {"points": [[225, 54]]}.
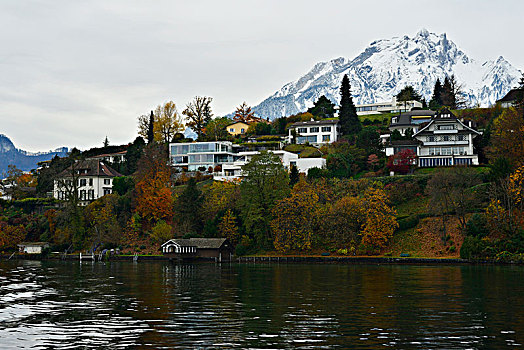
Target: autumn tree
{"points": [[198, 113], [220, 196], [347, 114], [164, 122], [265, 182], [402, 162], [228, 227], [507, 137], [102, 221], [153, 197], [243, 113], [295, 219], [379, 221]]}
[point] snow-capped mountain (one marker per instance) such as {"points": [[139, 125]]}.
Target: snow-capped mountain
{"points": [[23, 160], [387, 66]]}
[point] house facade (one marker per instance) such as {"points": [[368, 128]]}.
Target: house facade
{"points": [[237, 128], [117, 157], [444, 140], [200, 155], [315, 132], [411, 120], [387, 107], [32, 247], [218, 249], [91, 179], [510, 98]]}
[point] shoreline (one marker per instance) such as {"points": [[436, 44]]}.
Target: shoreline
{"points": [[355, 260]]}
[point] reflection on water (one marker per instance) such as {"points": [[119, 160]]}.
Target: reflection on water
{"points": [[55, 304]]}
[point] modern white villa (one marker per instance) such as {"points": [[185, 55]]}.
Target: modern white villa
{"points": [[315, 132], [91, 179], [387, 107], [443, 141], [200, 155], [233, 171]]}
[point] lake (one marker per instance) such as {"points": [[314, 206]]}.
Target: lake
{"points": [[162, 305]]}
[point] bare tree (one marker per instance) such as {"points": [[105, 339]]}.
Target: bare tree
{"points": [[199, 114]]}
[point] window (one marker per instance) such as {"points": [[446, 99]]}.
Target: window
{"points": [[445, 138], [393, 120], [82, 195], [430, 139], [325, 138], [446, 127], [82, 182], [107, 191], [90, 182], [302, 130], [446, 151], [231, 130], [313, 129], [107, 181], [326, 129], [91, 194], [462, 138], [306, 139], [242, 130]]}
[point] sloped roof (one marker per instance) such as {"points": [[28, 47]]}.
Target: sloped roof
{"points": [[445, 115], [94, 167], [405, 118], [199, 243], [108, 155], [511, 96]]}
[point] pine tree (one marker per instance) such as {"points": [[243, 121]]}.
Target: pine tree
{"points": [[447, 96], [436, 100], [323, 108], [150, 130], [188, 207], [348, 118], [106, 142], [294, 176]]}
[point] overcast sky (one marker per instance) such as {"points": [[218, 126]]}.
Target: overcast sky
{"points": [[72, 72]]}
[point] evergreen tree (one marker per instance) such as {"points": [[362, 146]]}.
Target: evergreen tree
{"points": [[294, 176], [150, 130], [436, 100], [106, 142], [188, 207], [519, 103], [408, 93], [133, 154], [348, 118], [323, 108]]}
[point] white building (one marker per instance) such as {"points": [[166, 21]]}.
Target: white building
{"points": [[32, 247], [443, 141], [91, 179], [387, 107], [315, 132], [200, 155], [117, 157], [233, 171]]}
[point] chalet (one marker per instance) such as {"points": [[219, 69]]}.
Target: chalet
{"points": [[410, 120], [218, 249], [315, 132], [32, 247], [91, 179], [442, 141]]}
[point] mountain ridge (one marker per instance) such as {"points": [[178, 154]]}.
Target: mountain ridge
{"points": [[383, 68], [23, 160]]}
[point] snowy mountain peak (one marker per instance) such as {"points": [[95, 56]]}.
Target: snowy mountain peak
{"points": [[386, 66]]}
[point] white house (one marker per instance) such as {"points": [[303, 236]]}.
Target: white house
{"points": [[510, 98], [387, 107], [200, 155], [410, 120], [446, 141], [233, 171], [91, 179], [443, 141], [315, 132], [32, 247], [110, 157]]}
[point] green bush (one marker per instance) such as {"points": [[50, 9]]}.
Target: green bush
{"points": [[477, 226], [161, 232], [407, 223]]}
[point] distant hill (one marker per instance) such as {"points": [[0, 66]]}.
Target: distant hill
{"points": [[23, 160]]}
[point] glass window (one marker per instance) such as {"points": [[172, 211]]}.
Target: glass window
{"points": [[107, 181], [430, 138], [325, 138], [90, 182], [446, 151], [326, 129], [83, 182], [313, 129], [447, 127], [461, 138], [242, 130], [231, 130], [302, 130]]}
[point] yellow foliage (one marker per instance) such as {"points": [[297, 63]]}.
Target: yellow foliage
{"points": [[380, 221], [228, 227]]}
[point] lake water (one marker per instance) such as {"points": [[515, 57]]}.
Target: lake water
{"points": [[68, 305]]}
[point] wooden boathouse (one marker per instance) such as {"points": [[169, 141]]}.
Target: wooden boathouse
{"points": [[219, 249]]}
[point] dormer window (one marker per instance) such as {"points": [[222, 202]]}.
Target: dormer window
{"points": [[393, 120], [446, 127]]}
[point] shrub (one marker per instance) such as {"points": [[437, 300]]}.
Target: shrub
{"points": [[477, 226], [161, 232], [408, 222]]}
